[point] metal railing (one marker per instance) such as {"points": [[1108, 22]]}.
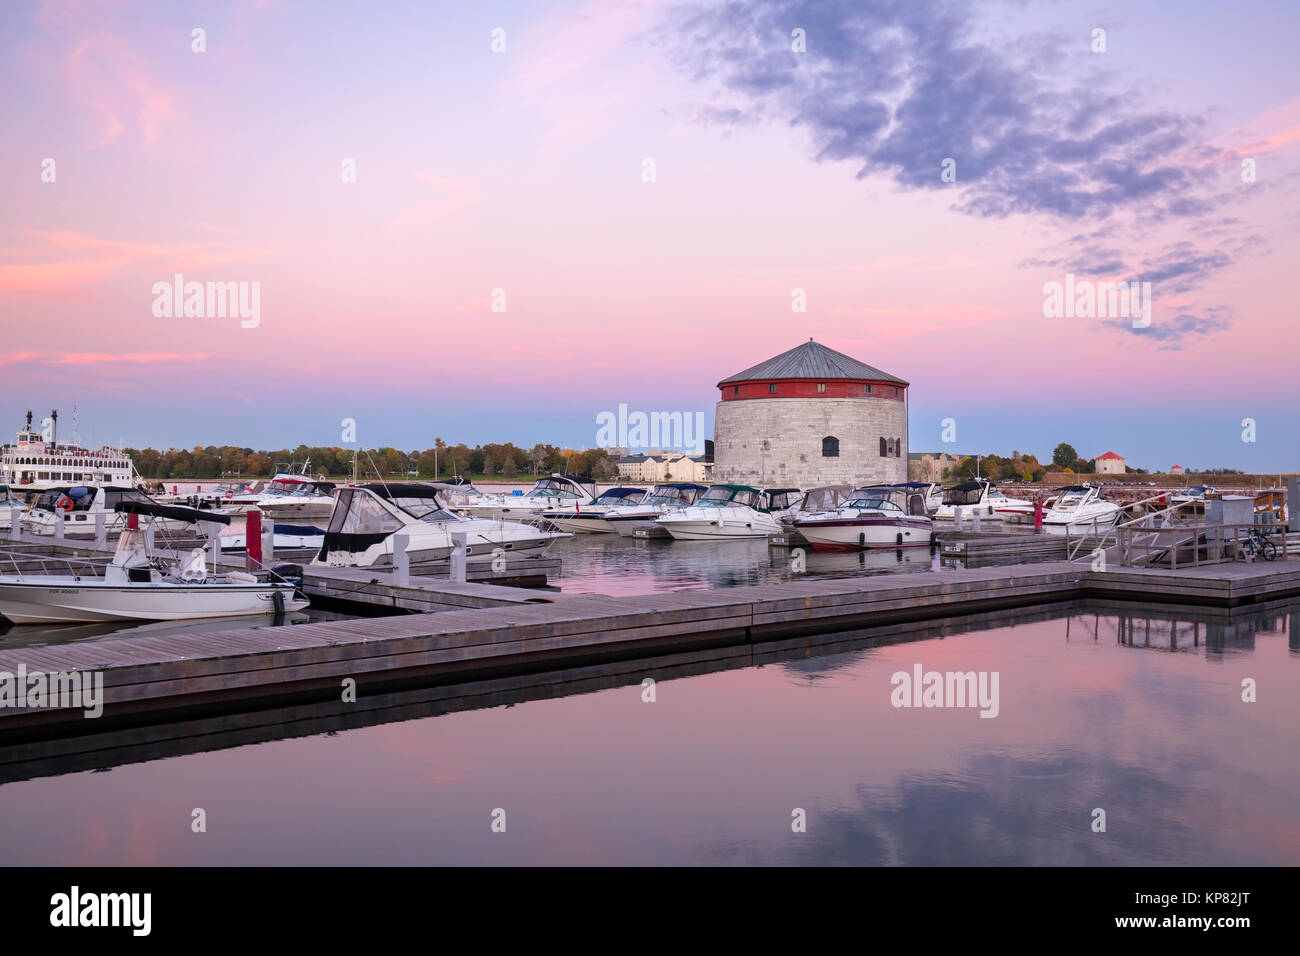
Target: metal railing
{"points": [[90, 567], [1219, 543]]}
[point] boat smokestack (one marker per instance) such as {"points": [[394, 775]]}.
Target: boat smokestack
{"points": [[29, 420], [54, 425]]}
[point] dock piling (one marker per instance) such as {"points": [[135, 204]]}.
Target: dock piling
{"points": [[401, 560], [101, 530], [58, 524], [457, 559]]}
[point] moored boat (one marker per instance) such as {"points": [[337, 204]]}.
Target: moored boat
{"points": [[883, 516], [590, 518], [724, 511], [365, 519], [139, 586], [639, 520]]}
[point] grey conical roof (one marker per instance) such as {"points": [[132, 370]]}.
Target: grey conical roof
{"points": [[812, 360]]}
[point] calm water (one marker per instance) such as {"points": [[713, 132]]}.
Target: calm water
{"points": [[1130, 711], [609, 564]]}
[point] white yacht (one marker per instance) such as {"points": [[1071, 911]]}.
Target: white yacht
{"points": [[33, 463], [638, 520], [360, 532], [979, 495], [291, 499], [590, 518], [885, 516], [724, 511], [1081, 507], [137, 586], [549, 494], [80, 504]]}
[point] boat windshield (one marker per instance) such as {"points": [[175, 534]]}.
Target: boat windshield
{"points": [[720, 495], [620, 497], [963, 495], [780, 500], [873, 504], [666, 494], [426, 509]]}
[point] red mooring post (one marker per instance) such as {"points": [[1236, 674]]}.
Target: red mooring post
{"points": [[1038, 514], [253, 539]]}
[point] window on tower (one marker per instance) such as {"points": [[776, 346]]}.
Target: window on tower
{"points": [[830, 447]]}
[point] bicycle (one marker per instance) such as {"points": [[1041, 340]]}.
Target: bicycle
{"points": [[1256, 545]]}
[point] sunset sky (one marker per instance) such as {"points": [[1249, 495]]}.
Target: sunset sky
{"points": [[774, 170]]}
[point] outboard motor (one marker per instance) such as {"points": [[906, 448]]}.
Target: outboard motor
{"points": [[287, 574]]}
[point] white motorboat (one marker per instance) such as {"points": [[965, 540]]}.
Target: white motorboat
{"points": [[286, 537], [79, 505], [590, 518], [783, 503], [639, 520], [1194, 493], [1081, 507], [979, 495], [548, 494], [221, 495], [885, 516], [724, 511], [291, 499], [11, 507], [137, 586], [360, 532]]}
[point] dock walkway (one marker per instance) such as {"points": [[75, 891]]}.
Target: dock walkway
{"points": [[146, 675]]}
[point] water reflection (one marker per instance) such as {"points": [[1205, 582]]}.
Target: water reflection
{"points": [[1093, 714], [608, 564]]}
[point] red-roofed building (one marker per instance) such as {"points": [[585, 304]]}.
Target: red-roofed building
{"points": [[1110, 464], [1176, 470]]}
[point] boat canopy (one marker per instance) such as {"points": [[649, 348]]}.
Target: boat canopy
{"points": [[616, 496], [778, 499], [175, 512], [889, 498], [825, 498], [732, 494]]}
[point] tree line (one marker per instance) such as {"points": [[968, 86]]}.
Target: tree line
{"points": [[439, 462]]}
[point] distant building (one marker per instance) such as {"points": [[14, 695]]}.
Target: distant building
{"points": [[1176, 470], [931, 466], [1110, 464], [811, 416], [659, 466]]}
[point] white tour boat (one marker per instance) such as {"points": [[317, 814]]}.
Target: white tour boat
{"points": [[33, 463]]}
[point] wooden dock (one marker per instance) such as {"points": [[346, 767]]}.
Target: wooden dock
{"points": [[148, 676]]}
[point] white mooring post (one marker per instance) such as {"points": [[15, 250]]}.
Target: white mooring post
{"points": [[101, 530], [268, 540], [956, 518], [15, 524], [58, 524], [401, 560], [459, 543], [214, 545], [975, 521], [149, 535]]}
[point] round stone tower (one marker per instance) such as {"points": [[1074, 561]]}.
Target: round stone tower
{"points": [[811, 416]]}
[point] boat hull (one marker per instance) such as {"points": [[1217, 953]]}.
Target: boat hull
{"points": [[858, 534], [729, 523], [52, 600]]}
